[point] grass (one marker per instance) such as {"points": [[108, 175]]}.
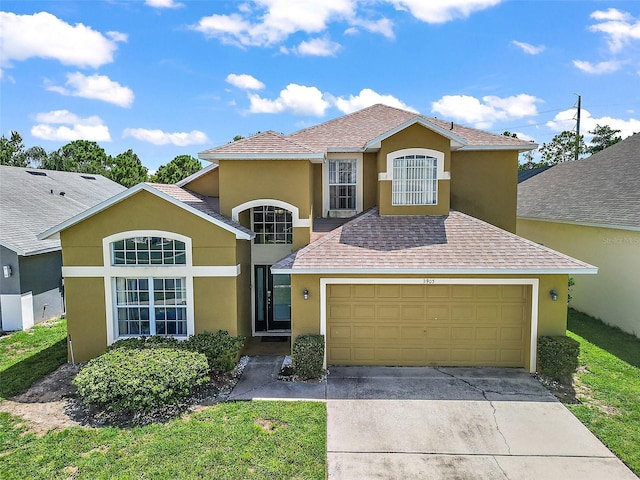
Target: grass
{"points": [[608, 385], [27, 356], [248, 440]]}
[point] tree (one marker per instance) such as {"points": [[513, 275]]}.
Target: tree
{"points": [[526, 160], [562, 148], [180, 167], [127, 169], [81, 156], [12, 151], [603, 137]]}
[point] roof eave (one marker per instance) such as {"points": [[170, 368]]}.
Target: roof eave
{"points": [[215, 157], [519, 148], [436, 271], [456, 140], [632, 228]]}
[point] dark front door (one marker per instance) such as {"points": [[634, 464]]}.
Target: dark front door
{"points": [[273, 300]]}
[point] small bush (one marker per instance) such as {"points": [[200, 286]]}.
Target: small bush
{"points": [[308, 356], [558, 357], [221, 349], [138, 343], [141, 380]]}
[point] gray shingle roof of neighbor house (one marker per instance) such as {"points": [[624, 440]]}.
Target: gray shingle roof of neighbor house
{"points": [[454, 243], [32, 200], [603, 189], [356, 132], [189, 201]]}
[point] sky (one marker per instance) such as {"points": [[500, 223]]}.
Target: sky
{"points": [[169, 77]]}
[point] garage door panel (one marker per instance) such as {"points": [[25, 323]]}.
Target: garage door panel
{"points": [[428, 325]]}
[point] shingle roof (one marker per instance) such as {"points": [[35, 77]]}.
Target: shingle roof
{"points": [[197, 201], [603, 189], [354, 131], [531, 172], [31, 203], [454, 243]]}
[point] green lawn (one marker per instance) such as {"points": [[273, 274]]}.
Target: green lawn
{"points": [[608, 385], [227, 441], [27, 356]]}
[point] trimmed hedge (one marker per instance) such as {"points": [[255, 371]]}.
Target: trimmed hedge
{"points": [[138, 343], [141, 380], [308, 356], [221, 349], [558, 356]]}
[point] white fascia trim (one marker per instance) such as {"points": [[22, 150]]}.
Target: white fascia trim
{"points": [[55, 231], [214, 157], [439, 156], [39, 252], [295, 212], [519, 148], [196, 175], [533, 282], [583, 224], [434, 271], [159, 271], [454, 138]]}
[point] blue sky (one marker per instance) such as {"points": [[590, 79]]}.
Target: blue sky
{"points": [[168, 77]]}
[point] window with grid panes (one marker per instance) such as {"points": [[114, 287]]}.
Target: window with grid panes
{"points": [[342, 184], [415, 180], [272, 225], [148, 251]]}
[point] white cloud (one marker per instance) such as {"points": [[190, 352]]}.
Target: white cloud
{"points": [[597, 68], [482, 113], [244, 81], [65, 126], [366, 98], [383, 26], [317, 47], [158, 137], [45, 36], [430, 11], [528, 48], [620, 28], [163, 3], [566, 120], [296, 99], [98, 87]]}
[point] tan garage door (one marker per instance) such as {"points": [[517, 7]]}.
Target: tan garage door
{"points": [[428, 325]]}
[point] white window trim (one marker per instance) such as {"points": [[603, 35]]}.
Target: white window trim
{"points": [[271, 202], [533, 282], [439, 156], [359, 183]]}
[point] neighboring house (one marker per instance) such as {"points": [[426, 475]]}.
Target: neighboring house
{"points": [[31, 200], [590, 209], [422, 269]]}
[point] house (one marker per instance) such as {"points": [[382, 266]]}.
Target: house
{"points": [[422, 267], [590, 209], [32, 200]]}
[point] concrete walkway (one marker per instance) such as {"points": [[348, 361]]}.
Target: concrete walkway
{"points": [[435, 423]]}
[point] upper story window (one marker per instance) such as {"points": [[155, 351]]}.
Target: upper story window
{"points": [[342, 184], [272, 225], [415, 180], [148, 251]]}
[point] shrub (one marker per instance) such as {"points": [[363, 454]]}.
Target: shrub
{"points": [[138, 343], [221, 349], [308, 356], [558, 356], [141, 380]]}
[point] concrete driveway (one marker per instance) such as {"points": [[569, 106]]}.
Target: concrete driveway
{"points": [[456, 423]]}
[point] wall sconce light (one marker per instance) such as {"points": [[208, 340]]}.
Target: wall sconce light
{"points": [[554, 295], [305, 294], [6, 271]]}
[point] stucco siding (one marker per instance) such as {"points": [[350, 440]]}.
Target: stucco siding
{"points": [[86, 317], [207, 185], [42, 276], [484, 185], [613, 294]]}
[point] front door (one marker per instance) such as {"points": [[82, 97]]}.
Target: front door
{"points": [[272, 300]]}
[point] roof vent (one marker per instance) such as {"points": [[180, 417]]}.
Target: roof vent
{"points": [[62, 194], [34, 172], [88, 177]]}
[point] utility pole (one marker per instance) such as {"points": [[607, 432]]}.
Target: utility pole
{"points": [[578, 127]]}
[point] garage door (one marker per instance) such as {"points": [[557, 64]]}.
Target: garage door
{"points": [[464, 325]]}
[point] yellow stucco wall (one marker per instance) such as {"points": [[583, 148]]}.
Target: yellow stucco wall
{"points": [[316, 169], [207, 185], [370, 180], [415, 136], [485, 185], [613, 295], [216, 302]]}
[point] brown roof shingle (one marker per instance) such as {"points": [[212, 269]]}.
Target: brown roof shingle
{"points": [[454, 243]]}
